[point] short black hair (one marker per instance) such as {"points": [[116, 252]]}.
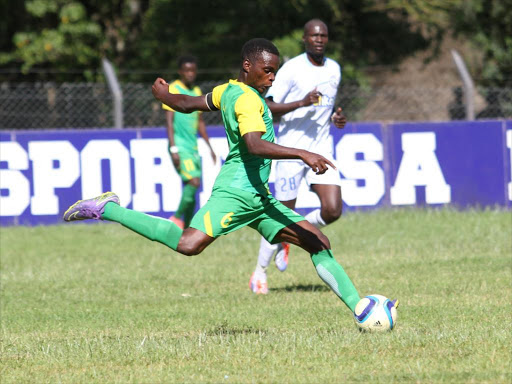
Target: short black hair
{"points": [[255, 47], [183, 59]]}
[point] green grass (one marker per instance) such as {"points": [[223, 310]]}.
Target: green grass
{"points": [[97, 303]]}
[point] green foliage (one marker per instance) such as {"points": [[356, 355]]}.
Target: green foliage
{"points": [[40, 8], [69, 35], [489, 26], [68, 42], [97, 303], [290, 45]]}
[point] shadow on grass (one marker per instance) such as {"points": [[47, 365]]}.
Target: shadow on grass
{"points": [[302, 288]]}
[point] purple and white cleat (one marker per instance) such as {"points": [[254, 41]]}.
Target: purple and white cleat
{"points": [[90, 208]]}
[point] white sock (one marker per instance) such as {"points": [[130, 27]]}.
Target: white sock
{"points": [[315, 218], [266, 252], [260, 270]]}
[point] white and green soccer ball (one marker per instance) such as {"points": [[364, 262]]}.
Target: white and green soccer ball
{"points": [[375, 313]]}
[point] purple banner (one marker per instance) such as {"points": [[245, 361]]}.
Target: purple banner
{"points": [[464, 164]]}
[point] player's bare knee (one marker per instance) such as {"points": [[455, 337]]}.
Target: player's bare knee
{"points": [[188, 246], [324, 241], [331, 214], [316, 242], [188, 249]]}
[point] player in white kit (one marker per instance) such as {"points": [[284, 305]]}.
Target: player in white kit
{"points": [[309, 76]]}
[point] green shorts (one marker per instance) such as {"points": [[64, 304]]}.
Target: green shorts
{"points": [[190, 165], [229, 210]]}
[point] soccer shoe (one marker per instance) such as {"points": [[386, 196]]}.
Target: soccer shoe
{"points": [[90, 208], [258, 283], [180, 223], [281, 259]]}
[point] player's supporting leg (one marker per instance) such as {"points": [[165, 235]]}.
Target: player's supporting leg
{"points": [[309, 238], [333, 274], [283, 249], [258, 281]]}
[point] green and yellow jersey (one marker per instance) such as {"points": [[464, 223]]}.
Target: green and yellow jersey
{"points": [[185, 124], [243, 110]]}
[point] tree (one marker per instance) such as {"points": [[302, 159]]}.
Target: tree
{"points": [[73, 36], [488, 24], [70, 35]]}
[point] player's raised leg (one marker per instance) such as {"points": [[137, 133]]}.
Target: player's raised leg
{"points": [[106, 207], [90, 208]]}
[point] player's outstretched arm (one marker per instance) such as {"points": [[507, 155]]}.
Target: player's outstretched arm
{"points": [[258, 147], [283, 108], [180, 103]]}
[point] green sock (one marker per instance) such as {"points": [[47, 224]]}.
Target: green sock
{"points": [[187, 203], [335, 277], [189, 214], [151, 227]]}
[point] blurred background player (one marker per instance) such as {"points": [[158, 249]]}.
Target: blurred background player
{"points": [[182, 129], [304, 128]]}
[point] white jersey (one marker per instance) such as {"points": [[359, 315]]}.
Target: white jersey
{"points": [[307, 127]]}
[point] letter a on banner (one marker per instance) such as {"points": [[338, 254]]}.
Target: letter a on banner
{"points": [[419, 167]]}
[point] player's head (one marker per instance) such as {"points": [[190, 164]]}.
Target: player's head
{"points": [[315, 38], [187, 69], [260, 62]]}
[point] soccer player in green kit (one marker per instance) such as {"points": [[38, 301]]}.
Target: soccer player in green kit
{"points": [[240, 196], [182, 129]]}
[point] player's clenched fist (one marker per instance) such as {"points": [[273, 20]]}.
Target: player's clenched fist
{"points": [[338, 118], [159, 88]]}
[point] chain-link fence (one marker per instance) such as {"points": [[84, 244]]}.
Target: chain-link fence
{"points": [[90, 105]]}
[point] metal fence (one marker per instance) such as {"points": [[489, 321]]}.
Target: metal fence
{"points": [[90, 105]]}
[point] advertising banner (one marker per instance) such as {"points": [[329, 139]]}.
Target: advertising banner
{"points": [[463, 164]]}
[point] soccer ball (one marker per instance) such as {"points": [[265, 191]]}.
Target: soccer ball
{"points": [[375, 313]]}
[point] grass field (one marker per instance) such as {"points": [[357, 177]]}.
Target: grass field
{"points": [[97, 304]]}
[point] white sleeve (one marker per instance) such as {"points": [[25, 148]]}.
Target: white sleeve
{"points": [[281, 85]]}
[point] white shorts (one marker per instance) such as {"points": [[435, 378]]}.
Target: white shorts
{"points": [[289, 175]]}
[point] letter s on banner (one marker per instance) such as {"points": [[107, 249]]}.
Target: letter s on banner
{"points": [[46, 176], [368, 170], [11, 179]]}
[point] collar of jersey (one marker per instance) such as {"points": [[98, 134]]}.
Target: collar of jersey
{"points": [[242, 85], [310, 63]]}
